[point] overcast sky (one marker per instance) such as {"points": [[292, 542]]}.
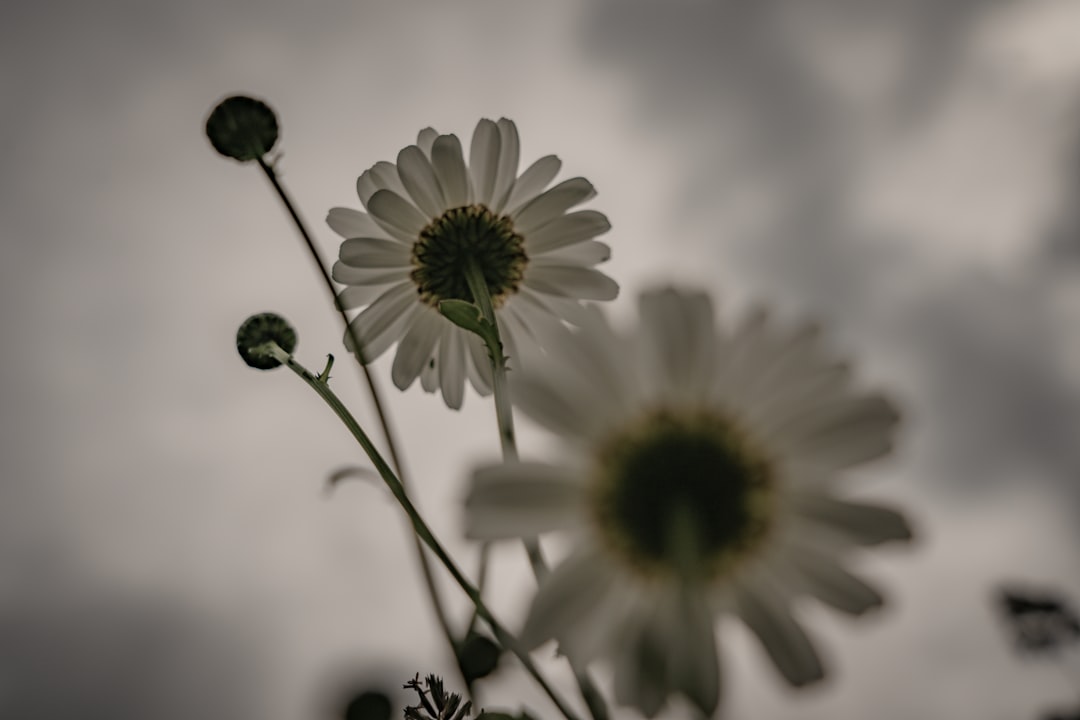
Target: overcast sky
{"points": [[905, 172]]}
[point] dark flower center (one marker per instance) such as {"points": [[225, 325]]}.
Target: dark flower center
{"points": [[682, 493], [464, 235]]}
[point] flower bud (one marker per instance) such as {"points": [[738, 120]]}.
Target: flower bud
{"points": [[242, 128], [256, 332]]}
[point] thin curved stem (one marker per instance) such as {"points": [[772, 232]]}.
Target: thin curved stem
{"points": [[377, 403], [422, 531], [505, 417]]}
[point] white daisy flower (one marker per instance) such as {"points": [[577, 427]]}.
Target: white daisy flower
{"points": [[698, 477], [427, 216]]}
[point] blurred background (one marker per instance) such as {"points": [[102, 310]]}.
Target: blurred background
{"points": [[905, 171]]}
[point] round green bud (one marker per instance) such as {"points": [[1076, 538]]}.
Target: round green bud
{"points": [[369, 705], [242, 128], [478, 656], [260, 329]]}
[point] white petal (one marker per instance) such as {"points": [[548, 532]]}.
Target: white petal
{"points": [[451, 366], [570, 310], [449, 165], [578, 604], [349, 223], [506, 173], [429, 376], [845, 433], [678, 347], [782, 637], [561, 408], [571, 281], [551, 204], [484, 160], [519, 499], [587, 254], [384, 320], [535, 178], [382, 175], [366, 252], [425, 139], [792, 360], [358, 295], [566, 230], [535, 314], [592, 366], [864, 523], [821, 576], [396, 215], [478, 366], [348, 275], [416, 175], [416, 348], [743, 353], [820, 383]]}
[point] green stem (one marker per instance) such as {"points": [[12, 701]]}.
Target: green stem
{"points": [[422, 531], [377, 403], [504, 415], [481, 580]]}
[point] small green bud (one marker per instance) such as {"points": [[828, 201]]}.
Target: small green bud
{"points": [[369, 705], [478, 656], [260, 329], [242, 128]]}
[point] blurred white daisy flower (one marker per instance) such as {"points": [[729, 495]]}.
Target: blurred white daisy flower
{"points": [[698, 477], [432, 213]]}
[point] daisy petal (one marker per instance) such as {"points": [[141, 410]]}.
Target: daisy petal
{"points": [[380, 176], [521, 499], [416, 175], [677, 342], [349, 223], [484, 160], [863, 523], [451, 366], [366, 252], [806, 562], [429, 376], [552, 204], [509, 151], [587, 254], [425, 139], [531, 182], [416, 349], [397, 216], [449, 165], [349, 275], [781, 636], [554, 406], [478, 365], [566, 230], [576, 600], [379, 325], [356, 296], [843, 434], [836, 587], [571, 281]]}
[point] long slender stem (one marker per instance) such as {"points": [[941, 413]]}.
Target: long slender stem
{"points": [[505, 417], [377, 403], [422, 531]]}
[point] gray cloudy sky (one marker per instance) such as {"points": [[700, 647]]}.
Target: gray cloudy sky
{"points": [[904, 171]]}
